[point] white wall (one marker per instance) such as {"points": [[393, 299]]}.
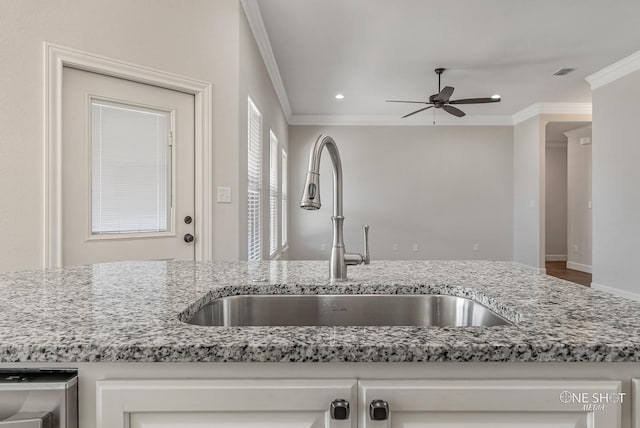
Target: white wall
{"points": [[198, 39], [616, 186], [556, 201], [443, 188], [255, 82], [579, 224]]}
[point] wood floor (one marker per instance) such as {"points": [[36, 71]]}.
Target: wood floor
{"points": [[559, 270]]}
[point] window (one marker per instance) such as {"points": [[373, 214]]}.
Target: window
{"points": [[273, 194], [130, 169], [283, 196], [254, 183]]}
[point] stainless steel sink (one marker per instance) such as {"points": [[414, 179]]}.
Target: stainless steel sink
{"points": [[346, 310]]}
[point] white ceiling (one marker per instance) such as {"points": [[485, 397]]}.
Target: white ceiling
{"points": [[373, 50]]}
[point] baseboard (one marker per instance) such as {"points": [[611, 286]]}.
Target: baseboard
{"points": [[616, 292], [580, 267], [530, 268], [556, 257]]}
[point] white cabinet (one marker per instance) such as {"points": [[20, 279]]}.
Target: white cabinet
{"points": [[491, 403], [198, 403], [306, 403]]}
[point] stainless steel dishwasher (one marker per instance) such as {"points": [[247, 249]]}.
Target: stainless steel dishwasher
{"points": [[38, 399]]}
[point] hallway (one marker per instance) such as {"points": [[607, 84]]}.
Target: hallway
{"points": [[559, 270]]}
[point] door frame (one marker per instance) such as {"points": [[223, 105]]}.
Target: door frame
{"points": [[56, 58]]}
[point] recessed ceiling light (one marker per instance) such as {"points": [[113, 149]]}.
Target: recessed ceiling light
{"points": [[495, 97], [339, 96]]}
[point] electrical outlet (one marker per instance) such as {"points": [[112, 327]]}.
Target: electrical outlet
{"points": [[416, 248], [476, 247], [396, 247], [323, 247], [576, 249], [532, 204]]}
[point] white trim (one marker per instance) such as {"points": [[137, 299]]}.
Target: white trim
{"points": [[616, 292], [57, 57], [556, 257], [541, 271], [550, 108], [583, 131], [386, 120], [615, 71], [254, 17], [579, 266]]}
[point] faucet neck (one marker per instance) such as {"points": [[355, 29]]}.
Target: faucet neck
{"points": [[314, 166]]}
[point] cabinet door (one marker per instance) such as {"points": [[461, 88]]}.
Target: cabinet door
{"points": [[492, 403], [222, 403]]}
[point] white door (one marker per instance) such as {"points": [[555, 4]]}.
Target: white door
{"points": [[200, 403], [489, 404], [127, 170]]}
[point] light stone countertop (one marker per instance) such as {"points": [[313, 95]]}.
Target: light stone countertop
{"points": [[132, 311]]}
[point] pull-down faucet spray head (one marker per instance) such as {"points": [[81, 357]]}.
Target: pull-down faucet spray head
{"points": [[311, 192]]}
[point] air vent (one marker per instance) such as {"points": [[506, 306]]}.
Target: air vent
{"points": [[563, 71]]}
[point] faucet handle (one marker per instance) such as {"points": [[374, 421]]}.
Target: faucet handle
{"points": [[366, 258]]}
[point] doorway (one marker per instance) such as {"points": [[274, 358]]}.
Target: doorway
{"points": [[59, 58], [568, 201], [127, 170]]}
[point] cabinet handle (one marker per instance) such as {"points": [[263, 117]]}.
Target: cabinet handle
{"points": [[339, 409], [379, 410]]}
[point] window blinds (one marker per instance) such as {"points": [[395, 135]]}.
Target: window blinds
{"points": [[254, 183], [130, 169]]}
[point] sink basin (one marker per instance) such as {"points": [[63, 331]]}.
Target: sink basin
{"points": [[346, 310]]}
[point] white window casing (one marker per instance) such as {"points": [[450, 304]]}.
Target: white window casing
{"points": [[283, 196], [273, 194]]}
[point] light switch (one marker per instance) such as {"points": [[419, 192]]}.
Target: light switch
{"points": [[589, 205], [223, 195]]}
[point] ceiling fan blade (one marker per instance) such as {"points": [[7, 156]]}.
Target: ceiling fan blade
{"points": [[417, 111], [444, 94], [475, 101], [413, 102], [454, 111]]}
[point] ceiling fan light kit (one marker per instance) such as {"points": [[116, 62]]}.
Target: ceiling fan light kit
{"points": [[442, 100]]}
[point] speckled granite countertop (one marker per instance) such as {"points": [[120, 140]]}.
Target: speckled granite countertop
{"points": [[131, 312]]}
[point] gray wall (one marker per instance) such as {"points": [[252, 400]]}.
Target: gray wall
{"points": [[616, 181], [556, 201], [579, 200], [443, 188], [526, 192], [529, 188]]}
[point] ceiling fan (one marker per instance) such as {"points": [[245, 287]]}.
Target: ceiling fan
{"points": [[441, 100]]}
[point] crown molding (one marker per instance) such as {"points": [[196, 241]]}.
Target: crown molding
{"points": [[550, 108], [583, 131], [615, 71], [335, 120], [254, 17]]}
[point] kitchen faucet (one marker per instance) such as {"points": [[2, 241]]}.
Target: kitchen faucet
{"points": [[340, 259]]}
